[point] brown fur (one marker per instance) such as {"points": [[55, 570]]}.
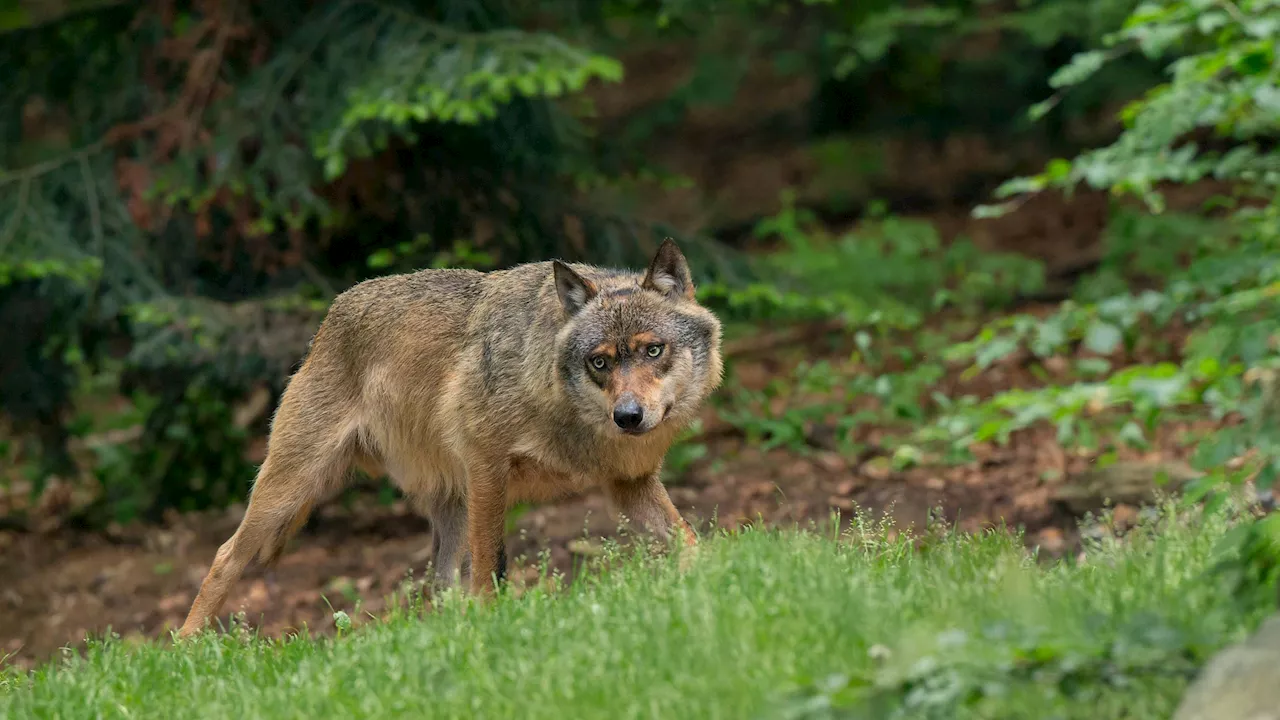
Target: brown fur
{"points": [[474, 391]]}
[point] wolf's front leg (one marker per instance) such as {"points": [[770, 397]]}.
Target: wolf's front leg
{"points": [[645, 505], [486, 524]]}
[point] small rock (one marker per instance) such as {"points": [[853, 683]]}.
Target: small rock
{"points": [[832, 463], [982, 451], [798, 468], [846, 487], [1241, 682], [258, 594], [1057, 365], [682, 495], [935, 483], [840, 503], [877, 468]]}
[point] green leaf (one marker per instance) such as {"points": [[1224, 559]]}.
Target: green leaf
{"points": [[1132, 435], [1255, 63], [1163, 391], [1103, 337], [1211, 20], [1265, 27], [1093, 366], [1057, 169], [1266, 477], [995, 350], [381, 258], [1080, 68]]}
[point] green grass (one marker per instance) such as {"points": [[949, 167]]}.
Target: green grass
{"points": [[962, 627]]}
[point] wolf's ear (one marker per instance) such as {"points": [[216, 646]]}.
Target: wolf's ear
{"points": [[669, 272], [573, 289]]}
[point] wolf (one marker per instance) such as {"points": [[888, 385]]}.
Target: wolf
{"points": [[476, 390]]}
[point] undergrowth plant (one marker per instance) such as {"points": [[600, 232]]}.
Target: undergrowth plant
{"points": [[1208, 123], [1179, 323]]}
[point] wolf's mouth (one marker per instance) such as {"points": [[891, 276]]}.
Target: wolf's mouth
{"points": [[641, 430]]}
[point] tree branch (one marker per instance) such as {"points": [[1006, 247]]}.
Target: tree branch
{"points": [[11, 230], [31, 172]]}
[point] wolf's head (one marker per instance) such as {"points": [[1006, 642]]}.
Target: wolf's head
{"points": [[636, 351]]}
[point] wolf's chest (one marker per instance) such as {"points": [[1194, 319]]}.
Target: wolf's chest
{"points": [[588, 461], [535, 481]]}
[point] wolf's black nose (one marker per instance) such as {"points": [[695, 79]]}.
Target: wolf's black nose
{"points": [[628, 414]]}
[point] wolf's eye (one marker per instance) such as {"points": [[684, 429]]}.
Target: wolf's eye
{"points": [[598, 362], [655, 350]]}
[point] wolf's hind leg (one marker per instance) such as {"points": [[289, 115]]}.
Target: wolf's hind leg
{"points": [[448, 516], [306, 458]]}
